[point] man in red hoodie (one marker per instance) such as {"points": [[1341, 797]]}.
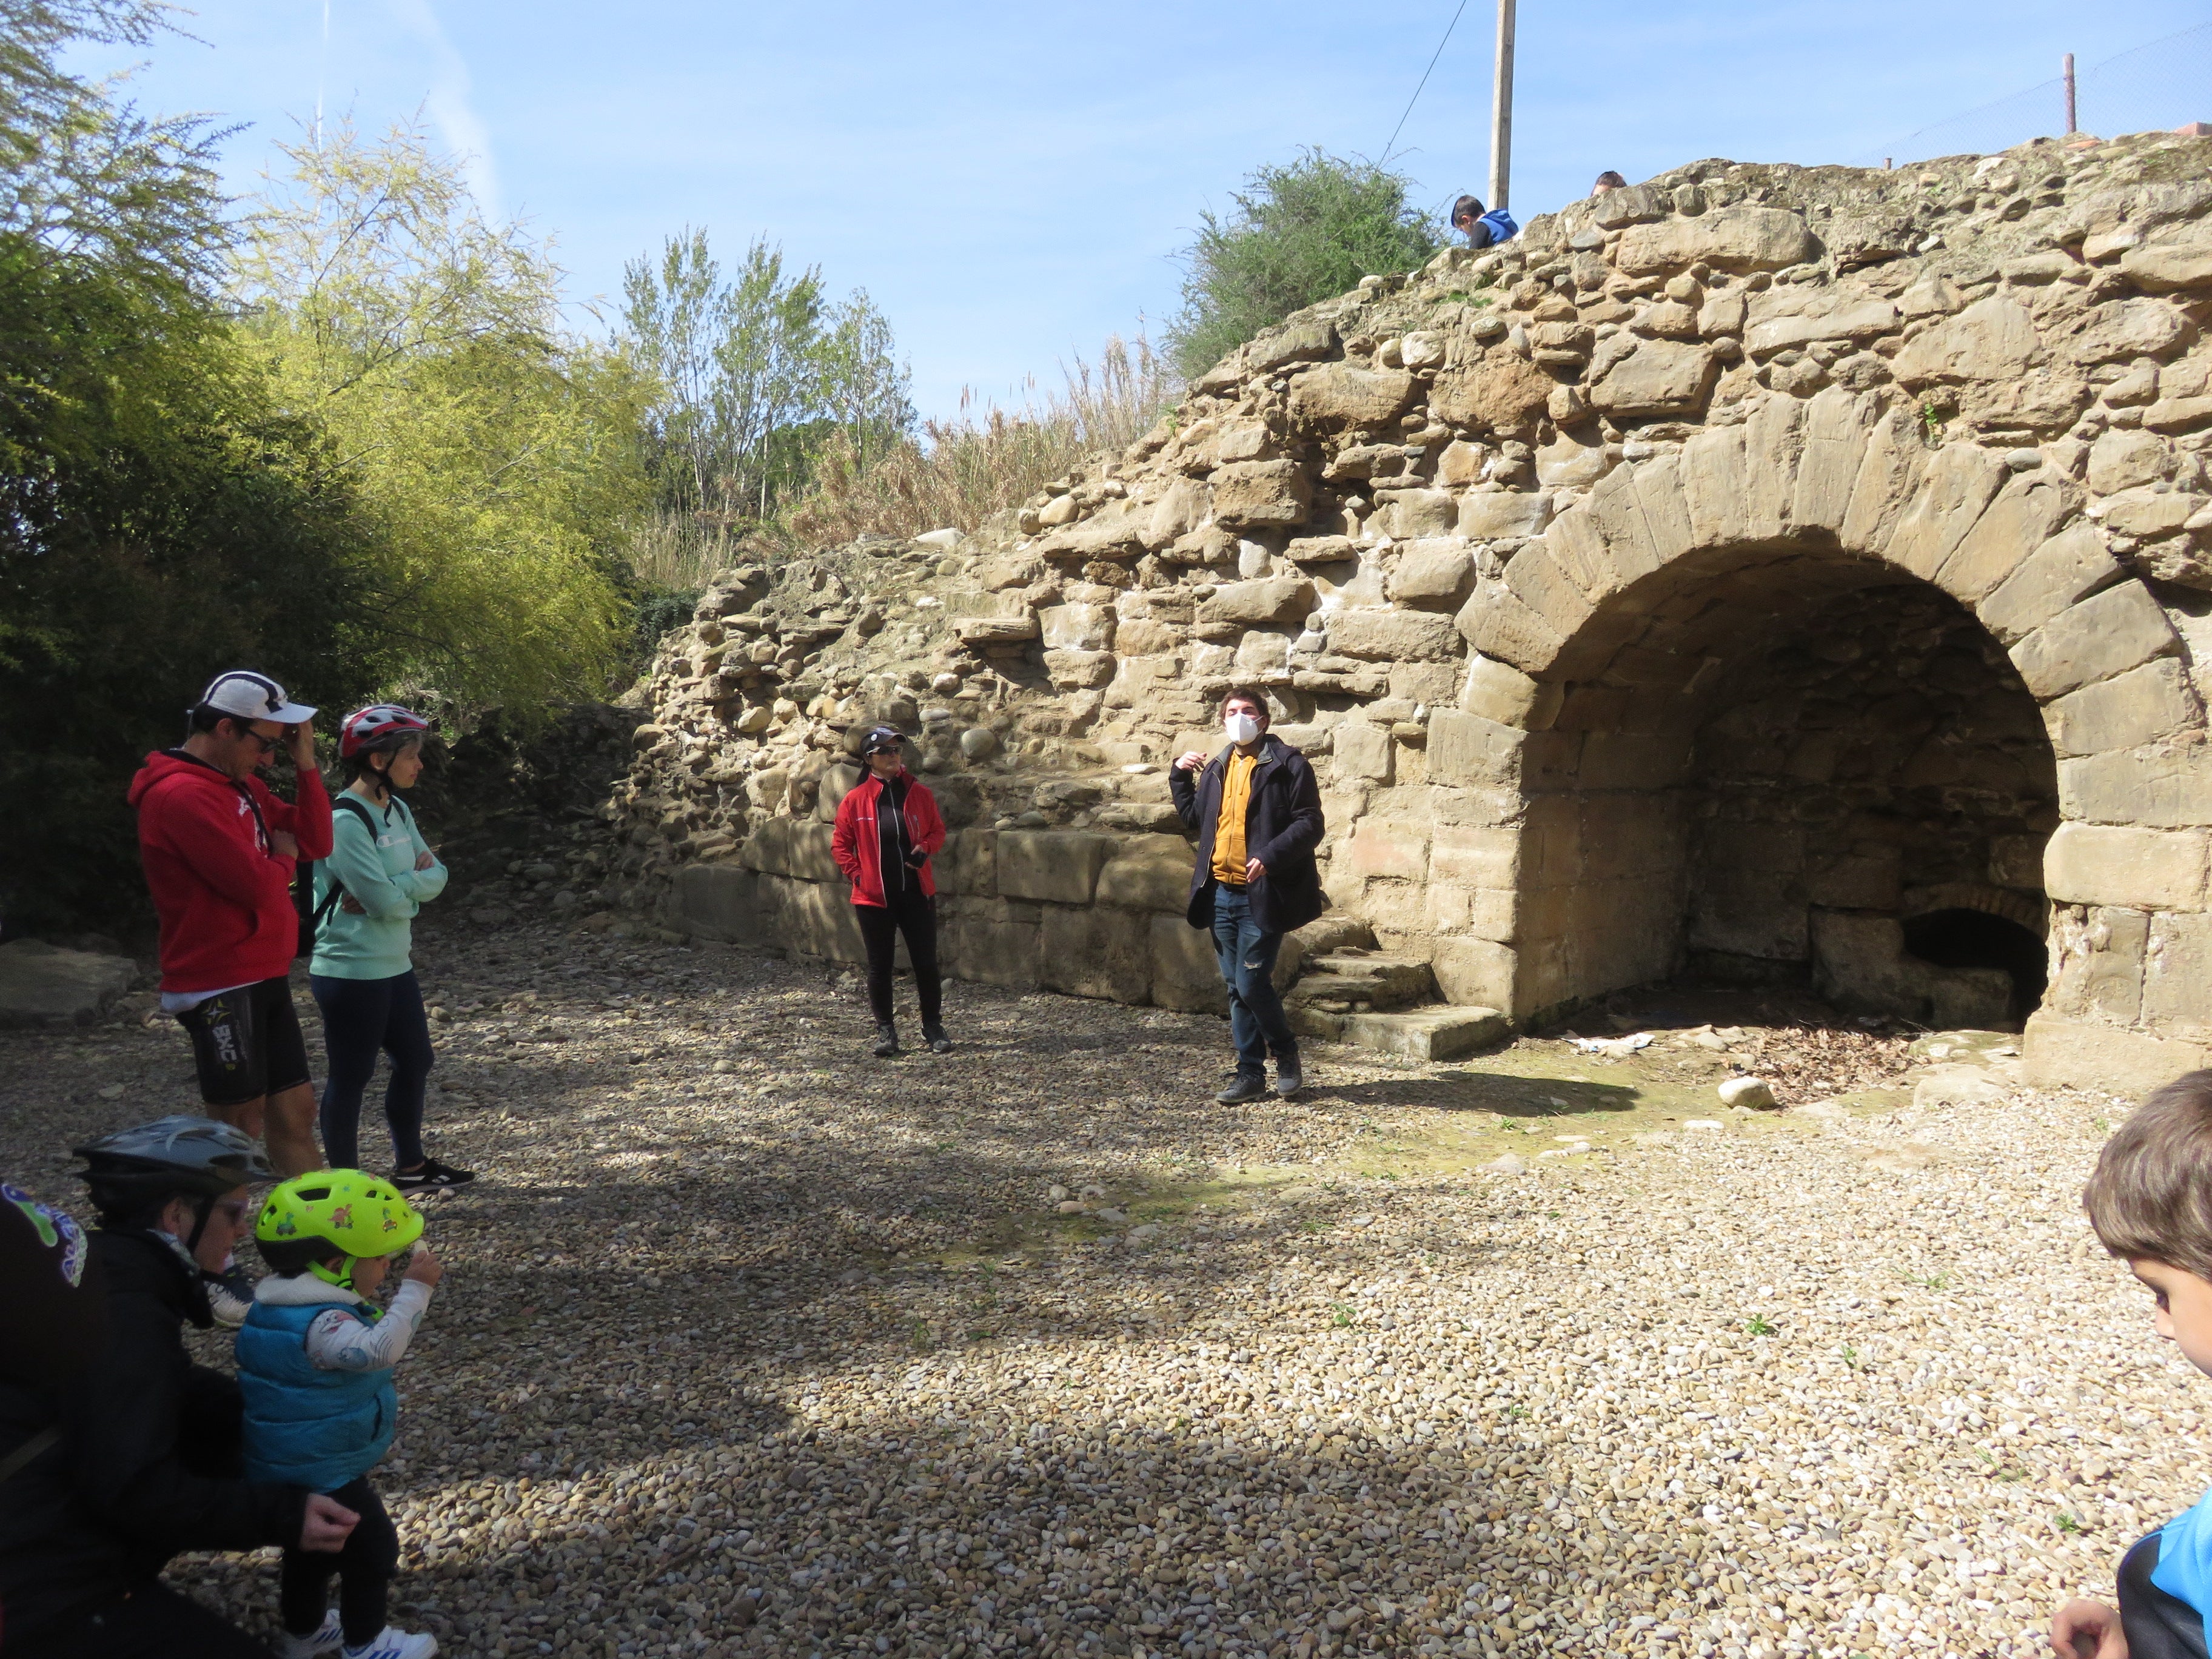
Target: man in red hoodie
{"points": [[219, 849]]}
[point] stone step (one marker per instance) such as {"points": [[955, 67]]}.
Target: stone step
{"points": [[1366, 979], [1436, 1032]]}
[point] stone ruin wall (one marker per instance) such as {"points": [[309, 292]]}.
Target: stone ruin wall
{"points": [[1725, 574]]}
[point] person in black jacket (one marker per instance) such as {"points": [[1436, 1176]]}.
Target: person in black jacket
{"points": [[1256, 811], [138, 1461]]}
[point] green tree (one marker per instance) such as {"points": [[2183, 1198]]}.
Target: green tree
{"points": [[161, 518], [757, 374], [498, 457], [1302, 232]]}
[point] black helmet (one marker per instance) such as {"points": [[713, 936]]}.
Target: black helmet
{"points": [[177, 1156]]}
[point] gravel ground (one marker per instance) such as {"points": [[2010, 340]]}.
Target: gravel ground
{"points": [[752, 1344]]}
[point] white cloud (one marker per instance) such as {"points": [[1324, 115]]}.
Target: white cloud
{"points": [[464, 131]]}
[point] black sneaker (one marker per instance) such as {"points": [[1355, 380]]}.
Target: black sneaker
{"points": [[431, 1178], [229, 1294], [1247, 1086], [1290, 1076], [933, 1034], [886, 1041]]}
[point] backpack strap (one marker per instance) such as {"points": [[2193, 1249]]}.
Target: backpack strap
{"points": [[330, 901]]}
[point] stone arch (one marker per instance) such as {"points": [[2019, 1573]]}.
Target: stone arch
{"points": [[2001, 901], [1594, 642]]}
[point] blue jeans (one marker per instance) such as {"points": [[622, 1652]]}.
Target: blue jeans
{"points": [[1247, 969]]}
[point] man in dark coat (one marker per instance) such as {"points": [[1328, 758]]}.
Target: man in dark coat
{"points": [[1256, 811], [110, 1473]]}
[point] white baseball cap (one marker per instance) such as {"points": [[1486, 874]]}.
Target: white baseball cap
{"points": [[253, 697]]}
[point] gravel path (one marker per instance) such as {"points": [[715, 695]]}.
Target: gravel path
{"points": [[752, 1344]]}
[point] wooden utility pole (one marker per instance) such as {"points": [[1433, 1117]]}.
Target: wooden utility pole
{"points": [[1501, 111], [2072, 126]]}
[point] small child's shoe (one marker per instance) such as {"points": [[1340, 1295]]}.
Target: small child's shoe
{"points": [[229, 1294], [329, 1639], [393, 1642]]}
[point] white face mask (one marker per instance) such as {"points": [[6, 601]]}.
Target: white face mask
{"points": [[1241, 727]]}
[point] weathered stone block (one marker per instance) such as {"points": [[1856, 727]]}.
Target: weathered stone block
{"points": [[1501, 392], [1183, 505], [1058, 867], [1436, 1035], [817, 917], [1077, 671], [1433, 575], [1077, 627], [1340, 394], [1186, 974], [43, 984], [1476, 856], [1378, 847], [1837, 423], [1957, 485], [2096, 638], [1093, 951], [969, 864], [2111, 864], [1487, 514], [1498, 691], [1268, 599], [2139, 706], [1992, 339], [1467, 749], [2025, 513], [1303, 341], [2064, 570], [1152, 873], [2170, 267], [1362, 750], [994, 942], [2064, 1053], [1475, 972], [2159, 786], [808, 857], [1251, 495], [1659, 377], [1733, 238], [2177, 990], [1393, 635], [2120, 331], [714, 900], [1841, 320], [2097, 964], [1409, 514]]}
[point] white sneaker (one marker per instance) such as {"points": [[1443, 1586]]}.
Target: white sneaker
{"points": [[329, 1639], [394, 1642]]}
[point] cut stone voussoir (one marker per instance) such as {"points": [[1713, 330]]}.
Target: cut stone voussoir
{"points": [[1740, 554]]}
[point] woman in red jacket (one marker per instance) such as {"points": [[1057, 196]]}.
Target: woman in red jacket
{"points": [[887, 828]]}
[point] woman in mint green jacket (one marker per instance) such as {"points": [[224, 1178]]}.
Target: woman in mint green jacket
{"points": [[379, 874]]}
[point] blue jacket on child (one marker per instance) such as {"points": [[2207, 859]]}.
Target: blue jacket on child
{"points": [[307, 1427]]}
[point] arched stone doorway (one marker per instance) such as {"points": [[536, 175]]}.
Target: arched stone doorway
{"points": [[1678, 611]]}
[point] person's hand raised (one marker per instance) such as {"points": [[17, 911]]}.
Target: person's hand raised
{"points": [[1192, 760], [425, 1268], [326, 1526], [301, 739]]}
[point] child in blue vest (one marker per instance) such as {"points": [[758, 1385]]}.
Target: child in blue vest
{"points": [[2150, 1201], [315, 1363]]}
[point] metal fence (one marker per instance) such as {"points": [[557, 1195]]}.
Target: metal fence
{"points": [[2163, 84]]}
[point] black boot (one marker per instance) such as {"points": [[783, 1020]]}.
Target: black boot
{"points": [[933, 1033], [886, 1040]]}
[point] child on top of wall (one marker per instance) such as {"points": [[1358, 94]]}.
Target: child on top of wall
{"points": [[315, 1363], [2150, 1201]]}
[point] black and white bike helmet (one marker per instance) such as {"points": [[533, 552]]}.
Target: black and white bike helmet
{"points": [[175, 1156]]}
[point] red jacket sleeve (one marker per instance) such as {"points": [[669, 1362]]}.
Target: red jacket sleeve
{"points": [[201, 827], [308, 818], [846, 831]]}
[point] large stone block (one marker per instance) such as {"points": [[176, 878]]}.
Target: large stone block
{"points": [[1659, 377], [808, 857], [2120, 331], [2104, 634], [1503, 391], [43, 984], [1093, 951], [2063, 571], [1362, 750], [1889, 466], [1151, 872], [1056, 866], [1433, 575], [1077, 627], [2025, 513], [1393, 635], [2117, 865], [816, 917], [1252, 494], [2139, 706], [2158, 786], [1476, 973], [2170, 267], [1186, 973], [1837, 319], [1435, 1035], [1992, 339], [1268, 599], [969, 864], [767, 850], [2065, 1053], [2097, 964], [1498, 691], [1498, 624], [1837, 423], [1409, 514], [1116, 531], [1467, 749], [717, 902], [2176, 992], [1380, 847], [1183, 507], [1487, 514], [1741, 239], [992, 941], [1079, 670], [1958, 484], [1340, 394]]}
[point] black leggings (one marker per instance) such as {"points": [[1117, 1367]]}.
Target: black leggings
{"points": [[913, 913], [150, 1622], [360, 1018], [365, 1567]]}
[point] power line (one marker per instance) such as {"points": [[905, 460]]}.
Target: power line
{"points": [[1425, 73]]}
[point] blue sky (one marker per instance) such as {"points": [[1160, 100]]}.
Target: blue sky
{"points": [[1010, 181]]}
